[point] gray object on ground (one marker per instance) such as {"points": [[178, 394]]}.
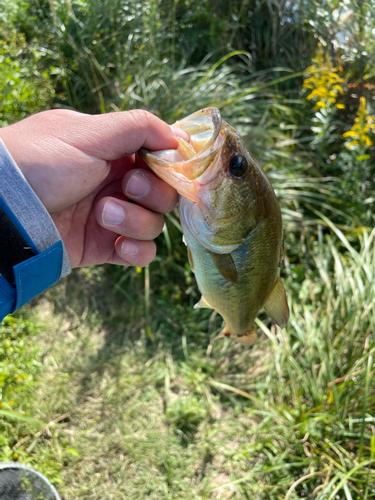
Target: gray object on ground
{"points": [[20, 482]]}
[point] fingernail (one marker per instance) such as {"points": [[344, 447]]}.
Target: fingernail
{"points": [[112, 214], [138, 185], [178, 132], [129, 247]]}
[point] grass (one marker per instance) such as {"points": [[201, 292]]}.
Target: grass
{"points": [[110, 384], [178, 417]]}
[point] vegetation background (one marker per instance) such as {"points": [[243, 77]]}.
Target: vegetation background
{"points": [[109, 383]]}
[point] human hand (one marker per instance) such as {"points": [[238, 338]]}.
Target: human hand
{"points": [[82, 167]]}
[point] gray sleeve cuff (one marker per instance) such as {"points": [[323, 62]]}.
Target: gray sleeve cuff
{"points": [[27, 207]]}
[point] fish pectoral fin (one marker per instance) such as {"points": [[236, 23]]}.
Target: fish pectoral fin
{"points": [[190, 258], [202, 304], [225, 265], [276, 305], [248, 338]]}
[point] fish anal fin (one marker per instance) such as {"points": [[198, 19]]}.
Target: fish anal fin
{"points": [[248, 338], [225, 265], [202, 304], [224, 333], [276, 305]]}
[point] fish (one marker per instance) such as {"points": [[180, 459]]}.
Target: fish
{"points": [[231, 221]]}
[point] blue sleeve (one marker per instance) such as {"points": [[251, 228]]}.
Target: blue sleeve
{"points": [[26, 212]]}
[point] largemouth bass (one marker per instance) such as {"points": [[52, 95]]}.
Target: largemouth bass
{"points": [[231, 221]]}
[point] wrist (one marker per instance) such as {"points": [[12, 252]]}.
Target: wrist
{"points": [[23, 211]]}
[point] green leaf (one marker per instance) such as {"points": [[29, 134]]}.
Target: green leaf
{"points": [[13, 415]]}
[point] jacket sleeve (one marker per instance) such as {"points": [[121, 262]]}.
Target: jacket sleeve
{"points": [[32, 255]]}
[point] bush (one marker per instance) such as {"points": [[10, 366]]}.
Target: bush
{"points": [[25, 87]]}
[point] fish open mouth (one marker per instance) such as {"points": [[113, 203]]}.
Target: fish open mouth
{"points": [[190, 159]]}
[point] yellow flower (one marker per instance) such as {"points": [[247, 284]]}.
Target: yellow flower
{"points": [[352, 143], [325, 83], [320, 104], [363, 124]]}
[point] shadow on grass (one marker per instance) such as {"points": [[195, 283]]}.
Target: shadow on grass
{"points": [[112, 299]]}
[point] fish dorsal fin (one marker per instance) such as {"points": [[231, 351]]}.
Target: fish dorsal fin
{"points": [[225, 265], [276, 305], [202, 304]]}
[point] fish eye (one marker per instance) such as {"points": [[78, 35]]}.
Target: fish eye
{"points": [[238, 166]]}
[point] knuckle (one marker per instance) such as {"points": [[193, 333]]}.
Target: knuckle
{"points": [[140, 117]]}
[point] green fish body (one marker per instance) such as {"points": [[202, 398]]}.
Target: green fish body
{"points": [[231, 221]]}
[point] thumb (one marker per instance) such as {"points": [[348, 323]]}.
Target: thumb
{"points": [[119, 134]]}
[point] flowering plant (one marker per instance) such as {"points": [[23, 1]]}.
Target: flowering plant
{"points": [[325, 83], [363, 124]]}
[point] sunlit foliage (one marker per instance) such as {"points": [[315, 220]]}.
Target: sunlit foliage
{"points": [[25, 86]]}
